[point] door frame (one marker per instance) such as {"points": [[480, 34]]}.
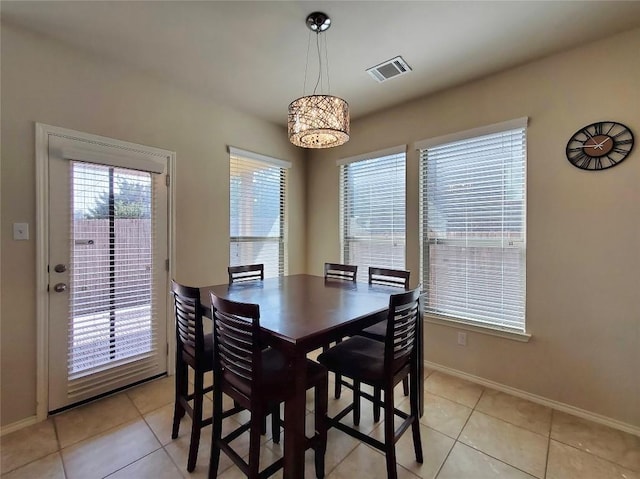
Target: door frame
{"points": [[42, 133]]}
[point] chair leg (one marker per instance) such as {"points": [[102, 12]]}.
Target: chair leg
{"points": [[389, 433], [263, 426], [338, 386], [216, 433], [356, 402], [275, 424], [376, 404], [405, 386], [255, 430], [415, 425], [196, 420], [181, 385], [320, 421]]}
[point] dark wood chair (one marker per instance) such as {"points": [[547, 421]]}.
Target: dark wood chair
{"points": [[386, 277], [258, 380], [341, 272], [194, 349], [383, 365], [345, 272], [249, 272]]}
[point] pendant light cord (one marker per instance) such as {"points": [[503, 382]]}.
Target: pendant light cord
{"points": [[318, 81], [306, 67]]}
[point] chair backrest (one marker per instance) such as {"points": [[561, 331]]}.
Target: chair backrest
{"points": [[402, 323], [389, 277], [188, 311], [237, 351], [248, 272], [346, 272]]}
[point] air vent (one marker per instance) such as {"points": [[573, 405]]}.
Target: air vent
{"points": [[389, 69]]}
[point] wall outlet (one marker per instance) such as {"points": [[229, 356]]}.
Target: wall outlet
{"points": [[462, 338], [20, 231]]}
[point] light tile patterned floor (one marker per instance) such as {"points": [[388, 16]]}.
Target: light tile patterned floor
{"points": [[467, 432]]}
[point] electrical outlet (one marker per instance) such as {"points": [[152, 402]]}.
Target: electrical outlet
{"points": [[462, 338], [20, 231]]}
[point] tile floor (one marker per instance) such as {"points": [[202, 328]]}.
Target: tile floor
{"points": [[467, 432]]}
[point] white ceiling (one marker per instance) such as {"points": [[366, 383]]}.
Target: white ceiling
{"points": [[252, 55]]}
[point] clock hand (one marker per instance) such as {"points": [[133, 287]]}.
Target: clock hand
{"points": [[597, 146]]}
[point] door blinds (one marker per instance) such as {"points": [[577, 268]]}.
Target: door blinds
{"points": [[372, 206], [472, 203], [113, 320], [257, 211]]}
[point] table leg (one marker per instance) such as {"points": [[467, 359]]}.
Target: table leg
{"points": [[294, 419]]}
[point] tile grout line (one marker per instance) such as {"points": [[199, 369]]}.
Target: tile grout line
{"points": [[546, 463], [133, 462], [617, 464], [59, 451], [456, 440], [478, 450]]}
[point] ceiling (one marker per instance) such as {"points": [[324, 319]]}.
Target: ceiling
{"points": [[251, 55]]}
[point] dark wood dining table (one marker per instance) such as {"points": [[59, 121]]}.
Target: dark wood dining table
{"points": [[301, 313]]}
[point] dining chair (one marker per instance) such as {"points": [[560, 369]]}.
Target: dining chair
{"points": [[249, 272], [194, 349], [341, 272], [383, 365], [258, 380], [346, 272], [385, 277]]}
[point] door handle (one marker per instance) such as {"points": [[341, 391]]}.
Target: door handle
{"points": [[60, 287]]}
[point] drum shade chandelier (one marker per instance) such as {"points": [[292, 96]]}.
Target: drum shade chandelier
{"points": [[318, 121]]}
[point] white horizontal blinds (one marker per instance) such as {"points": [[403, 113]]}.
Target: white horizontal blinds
{"points": [[257, 214], [112, 321], [372, 198], [473, 228]]}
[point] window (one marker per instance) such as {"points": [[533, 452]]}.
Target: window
{"points": [[257, 211], [372, 205], [472, 209]]}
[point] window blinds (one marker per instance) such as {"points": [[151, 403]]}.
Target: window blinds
{"points": [[112, 287], [372, 199], [257, 211], [472, 203]]}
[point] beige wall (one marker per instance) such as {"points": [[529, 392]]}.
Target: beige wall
{"points": [[48, 83], [583, 241]]}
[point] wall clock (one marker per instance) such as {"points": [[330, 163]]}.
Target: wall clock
{"points": [[600, 145]]}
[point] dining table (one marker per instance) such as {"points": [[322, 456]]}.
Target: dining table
{"points": [[300, 313]]}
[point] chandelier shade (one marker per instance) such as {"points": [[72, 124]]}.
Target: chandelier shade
{"points": [[318, 121]]}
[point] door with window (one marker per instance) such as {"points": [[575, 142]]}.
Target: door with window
{"points": [[108, 251]]}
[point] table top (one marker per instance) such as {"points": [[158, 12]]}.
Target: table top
{"points": [[306, 310]]}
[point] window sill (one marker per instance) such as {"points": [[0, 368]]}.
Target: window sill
{"points": [[491, 331]]}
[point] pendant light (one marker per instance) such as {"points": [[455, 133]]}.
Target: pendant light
{"points": [[318, 120]]}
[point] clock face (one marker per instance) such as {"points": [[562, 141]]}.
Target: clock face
{"points": [[600, 145]]}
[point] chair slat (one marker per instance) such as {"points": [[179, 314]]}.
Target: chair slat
{"points": [[344, 272], [389, 277], [248, 272]]}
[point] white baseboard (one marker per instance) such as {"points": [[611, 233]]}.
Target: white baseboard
{"points": [[567, 408], [9, 428]]}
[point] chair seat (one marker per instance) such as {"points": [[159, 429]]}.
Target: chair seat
{"points": [[276, 374], [207, 357], [378, 331], [357, 357]]}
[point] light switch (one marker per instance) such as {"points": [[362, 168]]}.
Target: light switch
{"points": [[20, 231]]}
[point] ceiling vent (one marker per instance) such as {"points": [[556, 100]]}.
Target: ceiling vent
{"points": [[389, 69]]}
